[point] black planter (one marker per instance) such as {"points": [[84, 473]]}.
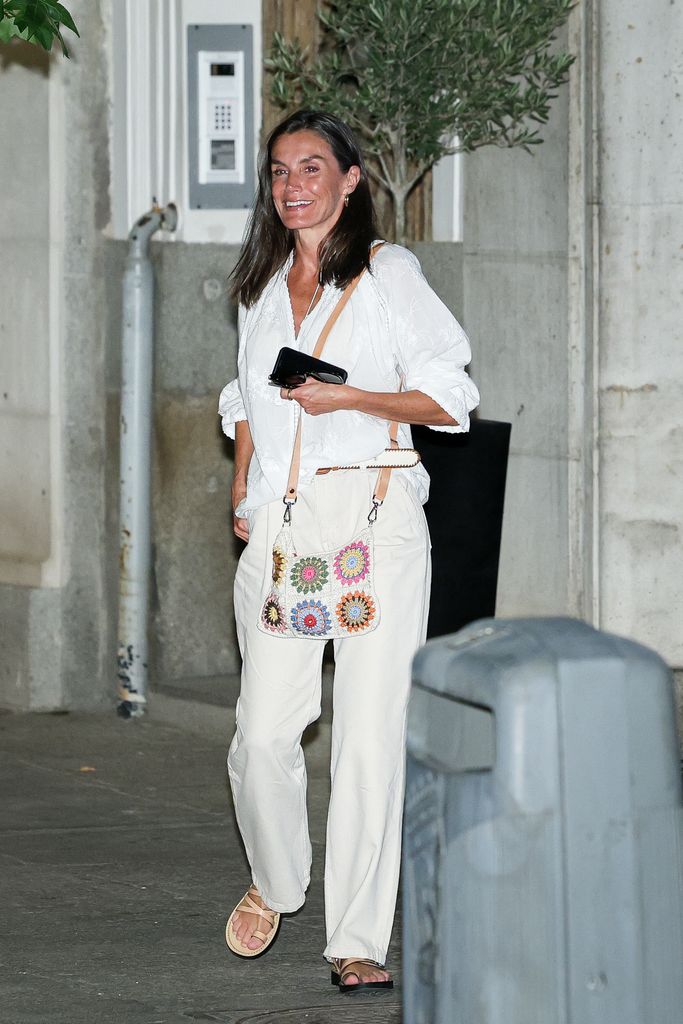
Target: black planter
{"points": [[465, 517]]}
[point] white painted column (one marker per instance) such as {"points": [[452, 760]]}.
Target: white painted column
{"points": [[447, 199]]}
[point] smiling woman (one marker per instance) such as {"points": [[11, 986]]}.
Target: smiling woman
{"points": [[313, 272], [322, 167], [310, 191], [308, 186]]}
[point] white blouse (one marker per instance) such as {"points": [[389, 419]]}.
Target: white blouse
{"points": [[393, 328]]}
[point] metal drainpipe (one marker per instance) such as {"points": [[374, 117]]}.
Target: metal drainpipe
{"points": [[136, 437]]}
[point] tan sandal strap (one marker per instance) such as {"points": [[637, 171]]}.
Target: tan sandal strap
{"points": [[249, 906], [256, 934]]}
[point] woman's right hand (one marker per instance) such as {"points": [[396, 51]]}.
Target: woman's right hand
{"points": [[239, 525]]}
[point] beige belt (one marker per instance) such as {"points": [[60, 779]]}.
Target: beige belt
{"points": [[390, 458]]}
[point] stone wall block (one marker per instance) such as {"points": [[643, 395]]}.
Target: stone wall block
{"points": [[500, 213], [641, 272], [641, 102], [515, 313], [196, 321], [195, 551], [534, 549]]}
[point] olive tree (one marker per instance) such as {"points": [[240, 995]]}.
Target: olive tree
{"points": [[418, 79]]}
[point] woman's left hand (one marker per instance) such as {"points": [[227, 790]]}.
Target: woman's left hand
{"points": [[316, 398], [405, 406]]}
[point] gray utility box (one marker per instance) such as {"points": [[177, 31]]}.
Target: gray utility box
{"points": [[543, 843]]}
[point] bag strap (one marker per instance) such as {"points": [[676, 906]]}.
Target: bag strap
{"points": [[335, 314], [295, 465]]}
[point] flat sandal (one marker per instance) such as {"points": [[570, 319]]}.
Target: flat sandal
{"points": [[271, 917], [342, 969]]}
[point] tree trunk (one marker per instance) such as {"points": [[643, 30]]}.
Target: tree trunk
{"points": [[399, 200], [398, 188]]}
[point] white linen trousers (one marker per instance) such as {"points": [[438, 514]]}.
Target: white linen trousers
{"points": [[281, 694]]}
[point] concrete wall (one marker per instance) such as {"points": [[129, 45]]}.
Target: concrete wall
{"points": [[515, 271], [639, 117], [57, 637], [25, 478], [25, 498], [573, 273], [195, 552]]}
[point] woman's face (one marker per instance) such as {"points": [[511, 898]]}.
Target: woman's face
{"points": [[307, 184]]}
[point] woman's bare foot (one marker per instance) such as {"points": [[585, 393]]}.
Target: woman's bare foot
{"points": [[364, 973], [355, 973], [245, 923]]}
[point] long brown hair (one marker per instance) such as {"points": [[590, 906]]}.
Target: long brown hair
{"points": [[344, 252]]}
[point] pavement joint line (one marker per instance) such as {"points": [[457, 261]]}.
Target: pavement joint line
{"points": [[68, 979], [124, 827], [59, 866]]}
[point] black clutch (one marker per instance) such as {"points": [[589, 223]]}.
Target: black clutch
{"points": [[292, 368]]}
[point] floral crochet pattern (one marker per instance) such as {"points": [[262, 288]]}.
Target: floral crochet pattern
{"points": [[352, 563], [311, 618], [355, 611], [273, 615], [279, 565], [309, 574], [321, 595]]}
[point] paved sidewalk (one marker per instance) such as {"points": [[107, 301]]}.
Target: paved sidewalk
{"points": [[119, 860]]}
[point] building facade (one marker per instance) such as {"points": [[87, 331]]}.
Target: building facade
{"points": [[567, 277]]}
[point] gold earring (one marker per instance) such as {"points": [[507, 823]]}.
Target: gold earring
{"points": [[346, 199]]}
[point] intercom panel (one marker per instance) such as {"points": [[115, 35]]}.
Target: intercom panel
{"points": [[220, 112]]}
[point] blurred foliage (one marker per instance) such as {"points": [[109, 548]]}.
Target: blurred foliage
{"points": [[36, 21], [418, 79]]}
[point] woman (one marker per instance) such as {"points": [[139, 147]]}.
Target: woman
{"points": [[311, 234]]}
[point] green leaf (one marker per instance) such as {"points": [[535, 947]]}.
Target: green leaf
{"points": [[44, 35], [8, 30], [38, 21], [64, 16]]}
